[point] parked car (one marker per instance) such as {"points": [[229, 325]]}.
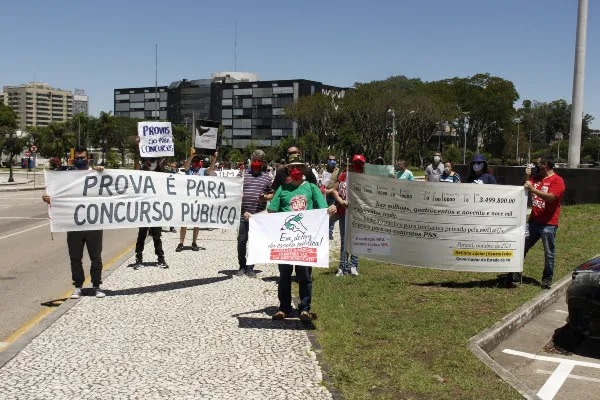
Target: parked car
{"points": [[583, 299]]}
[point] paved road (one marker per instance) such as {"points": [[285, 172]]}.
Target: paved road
{"points": [[34, 269], [531, 355]]}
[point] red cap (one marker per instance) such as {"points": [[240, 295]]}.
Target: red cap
{"points": [[359, 157]]}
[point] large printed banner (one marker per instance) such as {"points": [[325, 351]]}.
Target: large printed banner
{"points": [[156, 139], [114, 199], [461, 227], [297, 238]]}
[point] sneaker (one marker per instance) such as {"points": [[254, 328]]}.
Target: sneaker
{"points": [[546, 283], [138, 263], [340, 272], [99, 293], [195, 247], [162, 264], [76, 293], [353, 271], [305, 316], [240, 272], [279, 315], [179, 247], [251, 274]]}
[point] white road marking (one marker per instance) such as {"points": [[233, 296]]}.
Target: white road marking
{"points": [[562, 311], [577, 377], [560, 374], [26, 230], [23, 217], [556, 380], [552, 359]]}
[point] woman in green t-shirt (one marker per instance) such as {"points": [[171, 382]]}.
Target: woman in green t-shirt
{"points": [[296, 194]]}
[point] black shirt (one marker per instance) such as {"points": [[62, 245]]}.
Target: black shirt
{"points": [[282, 174]]}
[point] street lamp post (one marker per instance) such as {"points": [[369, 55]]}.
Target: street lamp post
{"points": [[518, 121], [390, 111], [10, 144], [559, 136]]}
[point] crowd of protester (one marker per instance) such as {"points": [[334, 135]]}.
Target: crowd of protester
{"points": [[276, 187]]}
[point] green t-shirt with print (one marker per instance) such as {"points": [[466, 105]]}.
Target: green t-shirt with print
{"points": [[288, 198]]}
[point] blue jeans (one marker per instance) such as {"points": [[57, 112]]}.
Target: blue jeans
{"points": [[284, 289], [547, 233], [343, 252]]}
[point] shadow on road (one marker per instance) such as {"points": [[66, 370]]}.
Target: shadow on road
{"points": [[163, 287]]}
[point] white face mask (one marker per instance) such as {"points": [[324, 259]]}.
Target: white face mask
{"points": [[152, 166], [447, 171], [437, 159], [477, 167]]}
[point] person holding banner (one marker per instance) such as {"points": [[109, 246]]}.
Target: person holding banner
{"points": [[257, 184], [282, 173], [478, 173], [195, 166], [340, 191], [330, 176], [296, 194], [449, 176], [76, 240], [404, 174], [154, 165], [435, 169]]}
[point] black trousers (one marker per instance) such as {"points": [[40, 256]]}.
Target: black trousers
{"points": [[156, 233], [75, 242], [243, 244]]}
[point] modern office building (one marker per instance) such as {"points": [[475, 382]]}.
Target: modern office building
{"points": [[38, 104], [255, 111], [80, 102], [188, 99], [144, 103]]}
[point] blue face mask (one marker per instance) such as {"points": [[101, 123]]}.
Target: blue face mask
{"points": [[331, 163], [80, 163]]}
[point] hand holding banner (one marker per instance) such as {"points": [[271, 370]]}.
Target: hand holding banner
{"points": [[156, 139], [297, 238], [477, 228]]}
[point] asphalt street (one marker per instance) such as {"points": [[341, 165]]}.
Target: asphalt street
{"points": [[34, 269]]}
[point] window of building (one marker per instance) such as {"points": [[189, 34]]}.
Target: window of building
{"points": [[242, 132], [136, 105], [282, 90], [278, 111], [227, 122], [151, 95], [242, 123], [246, 103], [136, 97], [262, 92], [122, 97], [227, 102], [243, 92], [277, 132], [238, 112], [227, 133], [227, 93], [228, 113]]}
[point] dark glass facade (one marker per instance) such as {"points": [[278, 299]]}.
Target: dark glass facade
{"points": [[199, 98], [141, 102]]}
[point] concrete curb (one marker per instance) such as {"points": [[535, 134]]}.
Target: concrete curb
{"points": [[484, 342], [18, 345]]}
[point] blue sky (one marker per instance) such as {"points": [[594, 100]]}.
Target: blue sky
{"points": [[99, 46]]}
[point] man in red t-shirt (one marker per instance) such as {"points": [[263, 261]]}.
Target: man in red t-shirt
{"points": [[547, 189]]}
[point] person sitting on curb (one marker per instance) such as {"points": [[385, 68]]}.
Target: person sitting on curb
{"points": [[76, 240]]}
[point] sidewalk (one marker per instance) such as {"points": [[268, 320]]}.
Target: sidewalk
{"points": [[21, 183], [188, 332]]}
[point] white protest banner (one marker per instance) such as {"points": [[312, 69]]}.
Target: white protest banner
{"points": [[156, 139], [206, 138], [461, 227], [297, 238], [115, 199], [228, 173], [379, 170]]}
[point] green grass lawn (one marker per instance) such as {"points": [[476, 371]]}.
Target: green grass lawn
{"points": [[401, 333]]}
